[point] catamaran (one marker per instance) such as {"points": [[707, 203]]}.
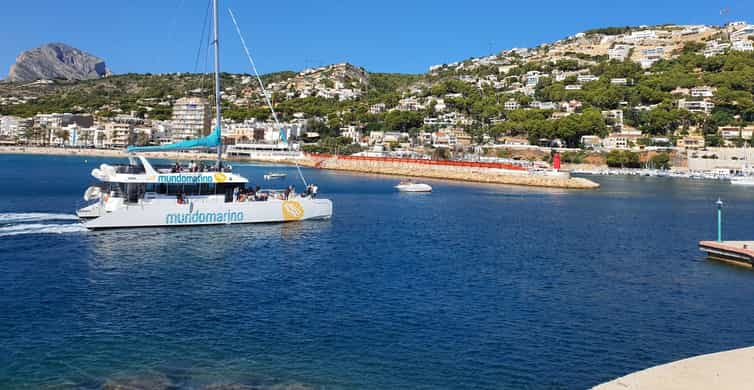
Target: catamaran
{"points": [[140, 194]]}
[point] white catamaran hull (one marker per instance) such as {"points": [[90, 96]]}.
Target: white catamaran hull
{"points": [[206, 211]]}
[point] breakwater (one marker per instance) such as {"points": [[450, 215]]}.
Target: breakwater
{"points": [[496, 173]]}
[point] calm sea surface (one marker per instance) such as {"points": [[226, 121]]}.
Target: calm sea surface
{"points": [[471, 287]]}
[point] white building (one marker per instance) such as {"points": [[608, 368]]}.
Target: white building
{"points": [[619, 52], [536, 104], [118, 135], [191, 118], [532, 78], [641, 35], [511, 105], [696, 105], [591, 141], [620, 141], [714, 48], [13, 127], [409, 104], [614, 118], [586, 78], [377, 108], [702, 92], [742, 45], [742, 33], [351, 132], [651, 55]]}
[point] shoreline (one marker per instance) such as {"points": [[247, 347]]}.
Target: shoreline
{"points": [[400, 169]]}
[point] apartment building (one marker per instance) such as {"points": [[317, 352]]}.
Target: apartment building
{"points": [[191, 118]]}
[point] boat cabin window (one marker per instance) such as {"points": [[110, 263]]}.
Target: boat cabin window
{"points": [[135, 191], [227, 190]]}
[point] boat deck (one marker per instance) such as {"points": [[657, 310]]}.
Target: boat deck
{"points": [[735, 252]]}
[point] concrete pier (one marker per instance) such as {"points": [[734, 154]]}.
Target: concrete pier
{"points": [[723, 370], [734, 252]]}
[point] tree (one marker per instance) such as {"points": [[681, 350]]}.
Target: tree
{"points": [[142, 138], [623, 159], [403, 121], [660, 161], [63, 135]]}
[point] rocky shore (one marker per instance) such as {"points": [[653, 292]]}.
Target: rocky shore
{"points": [[468, 174]]}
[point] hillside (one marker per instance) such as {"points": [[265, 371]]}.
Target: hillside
{"points": [[665, 80]]}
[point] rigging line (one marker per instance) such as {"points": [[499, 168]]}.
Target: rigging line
{"points": [[261, 85], [201, 38]]}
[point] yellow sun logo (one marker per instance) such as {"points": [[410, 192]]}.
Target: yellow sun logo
{"points": [[220, 177], [292, 211]]}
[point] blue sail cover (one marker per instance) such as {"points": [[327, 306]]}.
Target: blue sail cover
{"points": [[210, 141]]}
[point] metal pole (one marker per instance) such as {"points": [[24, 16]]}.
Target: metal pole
{"points": [[217, 81], [719, 204]]}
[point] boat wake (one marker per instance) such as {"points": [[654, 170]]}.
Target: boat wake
{"points": [[6, 218], [13, 224]]}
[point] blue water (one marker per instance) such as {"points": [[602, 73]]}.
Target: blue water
{"points": [[470, 287]]}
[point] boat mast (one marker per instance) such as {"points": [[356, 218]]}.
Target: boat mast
{"points": [[217, 81]]}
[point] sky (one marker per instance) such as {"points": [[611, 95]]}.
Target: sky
{"points": [[406, 36]]}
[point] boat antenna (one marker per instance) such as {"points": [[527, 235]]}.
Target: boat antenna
{"points": [[216, 41], [264, 91]]}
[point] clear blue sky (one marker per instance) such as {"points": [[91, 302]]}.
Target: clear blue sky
{"points": [[387, 36]]}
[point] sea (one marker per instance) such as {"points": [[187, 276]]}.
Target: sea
{"points": [[473, 286]]}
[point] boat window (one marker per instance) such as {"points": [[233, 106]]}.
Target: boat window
{"points": [[186, 189], [117, 189]]}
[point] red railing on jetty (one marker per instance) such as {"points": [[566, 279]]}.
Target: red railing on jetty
{"points": [[450, 163]]}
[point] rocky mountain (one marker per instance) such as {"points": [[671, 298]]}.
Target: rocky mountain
{"points": [[57, 61]]}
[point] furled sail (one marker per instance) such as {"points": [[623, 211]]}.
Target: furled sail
{"points": [[210, 141]]}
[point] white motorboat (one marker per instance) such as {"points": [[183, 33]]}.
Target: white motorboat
{"points": [[409, 186], [139, 194], [746, 175], [742, 180], [274, 175]]}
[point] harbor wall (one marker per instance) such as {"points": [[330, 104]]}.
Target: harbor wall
{"points": [[719, 158], [451, 170]]}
